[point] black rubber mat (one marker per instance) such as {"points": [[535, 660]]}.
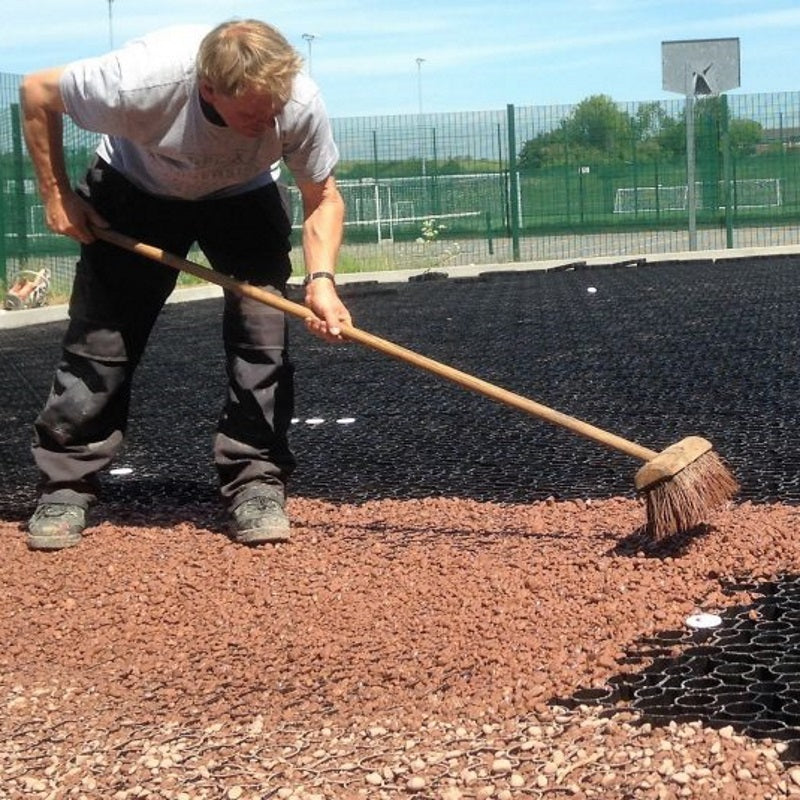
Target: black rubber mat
{"points": [[652, 353]]}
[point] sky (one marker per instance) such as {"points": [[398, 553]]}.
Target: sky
{"points": [[376, 58]]}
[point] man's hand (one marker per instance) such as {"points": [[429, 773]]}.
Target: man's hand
{"points": [[330, 312], [70, 215]]}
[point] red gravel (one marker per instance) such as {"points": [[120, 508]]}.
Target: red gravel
{"points": [[393, 649]]}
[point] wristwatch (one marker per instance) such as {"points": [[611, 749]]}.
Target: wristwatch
{"points": [[314, 275]]}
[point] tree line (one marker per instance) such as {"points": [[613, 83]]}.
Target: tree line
{"points": [[598, 130]]}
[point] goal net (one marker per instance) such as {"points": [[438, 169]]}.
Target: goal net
{"points": [[745, 193], [630, 200], [756, 192], [383, 206]]}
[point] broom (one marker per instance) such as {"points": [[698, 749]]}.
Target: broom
{"points": [[681, 485]]}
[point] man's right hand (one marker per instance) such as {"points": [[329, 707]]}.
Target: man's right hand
{"points": [[70, 215]]}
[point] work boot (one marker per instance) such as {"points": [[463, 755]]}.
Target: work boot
{"points": [[55, 526], [260, 520]]}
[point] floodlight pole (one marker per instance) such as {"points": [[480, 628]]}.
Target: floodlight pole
{"points": [[110, 26], [309, 37]]}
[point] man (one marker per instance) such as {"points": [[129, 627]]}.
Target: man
{"points": [[193, 124]]}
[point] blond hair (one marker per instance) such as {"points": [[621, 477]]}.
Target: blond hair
{"points": [[240, 55]]}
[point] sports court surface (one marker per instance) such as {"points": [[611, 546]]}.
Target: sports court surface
{"points": [[650, 352]]}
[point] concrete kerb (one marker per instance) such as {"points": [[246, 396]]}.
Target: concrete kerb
{"points": [[36, 316]]}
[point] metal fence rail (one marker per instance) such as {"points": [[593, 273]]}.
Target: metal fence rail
{"points": [[524, 183]]}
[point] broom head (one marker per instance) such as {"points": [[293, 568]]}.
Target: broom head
{"points": [[682, 485]]}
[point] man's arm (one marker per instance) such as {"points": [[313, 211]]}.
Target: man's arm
{"points": [[42, 125], [323, 226]]}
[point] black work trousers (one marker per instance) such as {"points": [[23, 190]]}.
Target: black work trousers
{"points": [[116, 298]]}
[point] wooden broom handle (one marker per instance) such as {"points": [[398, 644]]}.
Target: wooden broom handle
{"points": [[382, 345]]}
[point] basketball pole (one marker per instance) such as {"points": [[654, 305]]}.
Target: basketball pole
{"points": [[691, 190]]}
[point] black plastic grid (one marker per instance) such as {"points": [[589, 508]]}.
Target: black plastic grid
{"points": [[744, 672], [656, 353]]}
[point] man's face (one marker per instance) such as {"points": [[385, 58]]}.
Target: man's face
{"points": [[251, 114]]}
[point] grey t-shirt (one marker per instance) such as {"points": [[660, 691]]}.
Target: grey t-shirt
{"points": [[144, 99]]}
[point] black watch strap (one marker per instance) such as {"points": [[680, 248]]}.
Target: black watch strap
{"points": [[314, 275]]}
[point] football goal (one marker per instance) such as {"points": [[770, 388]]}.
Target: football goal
{"points": [[745, 193], [382, 206]]}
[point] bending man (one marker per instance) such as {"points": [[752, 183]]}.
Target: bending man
{"points": [[193, 122]]}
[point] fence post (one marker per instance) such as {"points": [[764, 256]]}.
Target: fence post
{"points": [[513, 181], [691, 193], [506, 214], [3, 228], [725, 141], [21, 221], [436, 206]]}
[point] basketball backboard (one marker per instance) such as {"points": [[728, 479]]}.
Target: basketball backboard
{"points": [[700, 66]]}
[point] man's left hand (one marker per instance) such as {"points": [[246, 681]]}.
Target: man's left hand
{"points": [[331, 315]]}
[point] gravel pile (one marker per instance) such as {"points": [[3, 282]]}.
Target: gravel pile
{"points": [[430, 649]]}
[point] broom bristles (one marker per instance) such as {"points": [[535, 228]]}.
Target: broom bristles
{"points": [[685, 500]]}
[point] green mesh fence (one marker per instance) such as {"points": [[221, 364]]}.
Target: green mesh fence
{"points": [[26, 244], [598, 178]]}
